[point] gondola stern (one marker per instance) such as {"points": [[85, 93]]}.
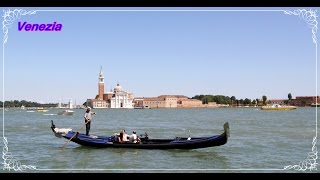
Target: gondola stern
{"points": [[53, 126], [226, 129]]}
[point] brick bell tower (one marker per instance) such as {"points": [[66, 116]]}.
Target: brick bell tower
{"points": [[101, 85]]}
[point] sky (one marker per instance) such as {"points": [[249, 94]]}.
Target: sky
{"points": [[246, 54]]}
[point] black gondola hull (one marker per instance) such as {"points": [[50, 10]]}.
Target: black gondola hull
{"points": [[176, 143]]}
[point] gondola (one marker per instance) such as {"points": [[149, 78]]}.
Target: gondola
{"points": [[145, 141]]}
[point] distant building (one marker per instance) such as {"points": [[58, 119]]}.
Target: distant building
{"points": [[304, 100], [138, 102], [96, 103], [168, 101], [164, 101], [189, 103], [118, 98], [277, 101], [299, 101]]}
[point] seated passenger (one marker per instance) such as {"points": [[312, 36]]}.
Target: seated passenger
{"points": [[125, 136], [120, 137], [116, 137], [138, 139], [133, 138]]}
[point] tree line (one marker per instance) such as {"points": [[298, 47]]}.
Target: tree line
{"points": [[16, 103], [221, 99]]}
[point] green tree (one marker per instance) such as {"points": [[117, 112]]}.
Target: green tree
{"points": [[206, 101], [254, 101], [264, 99], [241, 101], [289, 97], [247, 101], [233, 98]]}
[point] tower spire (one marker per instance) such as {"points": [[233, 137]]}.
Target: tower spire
{"points": [[101, 78], [101, 74], [101, 85]]}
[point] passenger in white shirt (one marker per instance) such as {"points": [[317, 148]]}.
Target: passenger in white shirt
{"points": [[133, 137]]}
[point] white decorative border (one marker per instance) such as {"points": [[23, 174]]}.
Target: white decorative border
{"points": [[308, 164], [9, 161], [311, 18], [9, 17]]}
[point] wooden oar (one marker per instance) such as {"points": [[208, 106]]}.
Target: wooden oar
{"points": [[73, 136]]}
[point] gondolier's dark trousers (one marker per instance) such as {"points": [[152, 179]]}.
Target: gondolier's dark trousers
{"points": [[87, 127]]}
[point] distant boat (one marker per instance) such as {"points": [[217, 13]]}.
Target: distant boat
{"points": [[142, 107], [315, 105], [41, 109], [278, 107], [66, 112]]}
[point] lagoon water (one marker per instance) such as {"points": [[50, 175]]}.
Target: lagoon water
{"points": [[260, 141]]}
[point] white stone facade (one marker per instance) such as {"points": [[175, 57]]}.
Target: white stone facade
{"points": [[121, 99]]}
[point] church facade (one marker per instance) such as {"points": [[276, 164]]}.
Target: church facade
{"points": [[116, 98]]}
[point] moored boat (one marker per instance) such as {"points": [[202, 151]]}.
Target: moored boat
{"points": [[315, 105], [41, 109], [145, 142], [278, 107]]}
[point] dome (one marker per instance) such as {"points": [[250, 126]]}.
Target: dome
{"points": [[118, 88]]}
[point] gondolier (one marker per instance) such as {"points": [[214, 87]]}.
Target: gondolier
{"points": [[87, 119]]}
